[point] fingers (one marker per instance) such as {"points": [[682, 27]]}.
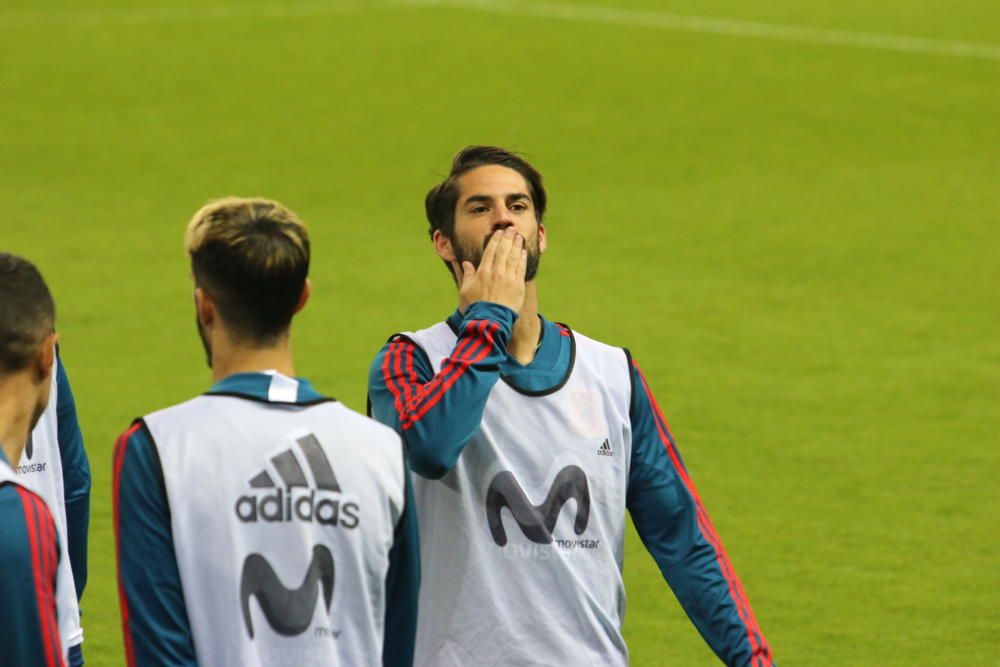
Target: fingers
{"points": [[515, 254], [491, 250], [504, 249], [522, 265]]}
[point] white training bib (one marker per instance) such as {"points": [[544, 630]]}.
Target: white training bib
{"points": [[522, 541], [40, 469], [283, 516]]}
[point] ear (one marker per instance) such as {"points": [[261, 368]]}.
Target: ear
{"points": [[205, 307], [542, 239], [443, 247], [46, 357], [304, 297]]}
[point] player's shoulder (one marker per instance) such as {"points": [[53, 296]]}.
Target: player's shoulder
{"points": [[178, 411], [22, 511], [435, 340], [15, 496], [436, 330], [363, 426], [190, 411], [591, 344], [10, 502]]}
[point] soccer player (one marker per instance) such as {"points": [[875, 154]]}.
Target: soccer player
{"points": [[530, 441], [261, 523], [54, 463], [29, 542]]}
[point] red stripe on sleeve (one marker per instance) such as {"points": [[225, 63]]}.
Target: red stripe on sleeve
{"points": [[397, 396], [404, 398], [413, 391], [398, 372], [49, 561], [477, 352], [50, 544], [412, 399], [761, 651], [45, 586], [411, 373], [41, 538], [120, 448]]}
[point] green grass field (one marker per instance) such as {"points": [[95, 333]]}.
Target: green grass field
{"points": [[798, 240]]}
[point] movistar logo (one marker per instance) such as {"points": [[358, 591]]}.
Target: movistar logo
{"points": [[288, 611], [537, 521], [298, 498]]}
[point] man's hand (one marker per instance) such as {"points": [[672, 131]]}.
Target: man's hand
{"points": [[500, 276]]}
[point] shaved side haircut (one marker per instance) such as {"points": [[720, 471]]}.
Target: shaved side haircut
{"points": [[252, 257], [27, 312]]}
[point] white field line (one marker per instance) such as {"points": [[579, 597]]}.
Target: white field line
{"points": [[155, 15], [552, 10], [734, 27]]}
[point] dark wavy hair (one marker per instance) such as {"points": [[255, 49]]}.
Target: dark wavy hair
{"points": [[442, 198]]}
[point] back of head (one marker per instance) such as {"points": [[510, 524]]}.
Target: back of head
{"points": [[440, 202], [27, 313], [251, 256]]}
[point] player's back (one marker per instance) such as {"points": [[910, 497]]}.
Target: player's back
{"points": [[282, 516]]}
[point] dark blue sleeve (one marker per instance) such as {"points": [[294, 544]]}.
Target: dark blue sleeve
{"points": [[29, 555], [76, 480], [402, 588], [676, 529], [437, 414], [154, 617]]}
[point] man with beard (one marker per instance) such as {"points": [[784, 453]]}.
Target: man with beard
{"points": [[29, 542], [261, 523], [530, 443]]}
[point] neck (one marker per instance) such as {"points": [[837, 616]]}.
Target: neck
{"points": [[16, 413], [232, 358], [527, 328]]}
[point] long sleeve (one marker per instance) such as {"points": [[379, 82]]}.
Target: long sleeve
{"points": [[76, 480], [29, 555], [437, 414], [676, 529], [402, 588], [154, 617]]}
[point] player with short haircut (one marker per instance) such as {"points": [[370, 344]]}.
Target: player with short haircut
{"points": [[29, 542], [55, 465], [531, 442], [261, 523]]}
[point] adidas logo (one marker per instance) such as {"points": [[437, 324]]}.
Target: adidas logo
{"points": [[296, 499], [605, 449]]}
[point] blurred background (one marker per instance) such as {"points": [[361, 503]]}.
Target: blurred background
{"points": [[788, 211]]}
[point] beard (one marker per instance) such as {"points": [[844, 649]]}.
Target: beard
{"points": [[469, 252]]}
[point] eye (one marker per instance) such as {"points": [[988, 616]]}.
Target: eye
{"points": [[479, 209], [519, 206]]}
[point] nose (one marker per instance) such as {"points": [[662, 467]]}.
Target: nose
{"points": [[501, 219]]}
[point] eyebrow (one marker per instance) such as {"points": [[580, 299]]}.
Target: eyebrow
{"points": [[515, 196]]}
